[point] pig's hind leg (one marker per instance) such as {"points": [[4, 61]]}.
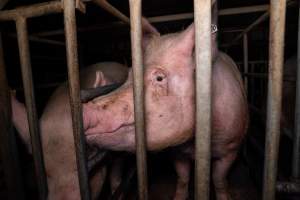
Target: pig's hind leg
{"points": [[182, 168], [220, 169]]}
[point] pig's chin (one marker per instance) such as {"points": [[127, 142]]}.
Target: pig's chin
{"points": [[121, 139], [118, 130]]}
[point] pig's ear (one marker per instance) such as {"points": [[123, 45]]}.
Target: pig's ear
{"points": [[186, 41], [99, 80], [149, 32]]}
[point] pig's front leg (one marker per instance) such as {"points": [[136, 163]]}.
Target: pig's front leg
{"points": [[221, 167], [182, 168]]}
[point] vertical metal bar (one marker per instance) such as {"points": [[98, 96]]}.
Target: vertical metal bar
{"points": [[276, 50], [12, 171], [246, 66], [296, 146], [74, 90], [138, 80], [202, 12], [37, 151], [252, 84]]}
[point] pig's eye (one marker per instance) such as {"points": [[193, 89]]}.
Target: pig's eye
{"points": [[159, 78]]}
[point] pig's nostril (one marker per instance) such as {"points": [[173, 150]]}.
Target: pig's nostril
{"points": [[159, 78]]}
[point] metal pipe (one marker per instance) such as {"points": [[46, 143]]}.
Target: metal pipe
{"points": [[255, 23], [265, 76], [250, 27], [276, 50], [296, 146], [244, 10], [139, 107], [35, 10], [40, 40], [252, 84], [8, 147], [202, 10], [74, 91], [164, 18], [246, 60], [37, 150], [115, 12]]}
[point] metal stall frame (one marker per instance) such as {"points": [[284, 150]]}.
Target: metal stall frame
{"points": [[20, 15], [139, 102], [276, 52], [296, 145], [202, 12]]}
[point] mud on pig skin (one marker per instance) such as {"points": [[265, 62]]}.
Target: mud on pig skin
{"points": [[57, 135]]}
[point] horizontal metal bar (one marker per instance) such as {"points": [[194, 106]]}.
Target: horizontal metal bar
{"points": [[250, 27], [32, 11], [139, 103], [159, 19], [115, 12], [37, 150], [74, 91], [202, 10], [255, 23], [39, 40], [276, 51], [222, 12], [244, 10]]}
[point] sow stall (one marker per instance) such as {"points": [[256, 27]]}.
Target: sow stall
{"points": [[202, 15]]}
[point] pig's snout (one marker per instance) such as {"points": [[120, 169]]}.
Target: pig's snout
{"points": [[107, 117]]}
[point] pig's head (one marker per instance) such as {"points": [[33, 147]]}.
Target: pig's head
{"points": [[169, 98]]}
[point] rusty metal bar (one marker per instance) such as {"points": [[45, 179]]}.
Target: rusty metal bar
{"points": [[32, 11], [9, 151], [74, 91], [115, 12], [296, 146], [202, 10], [246, 60], [276, 51], [139, 107], [31, 108]]}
